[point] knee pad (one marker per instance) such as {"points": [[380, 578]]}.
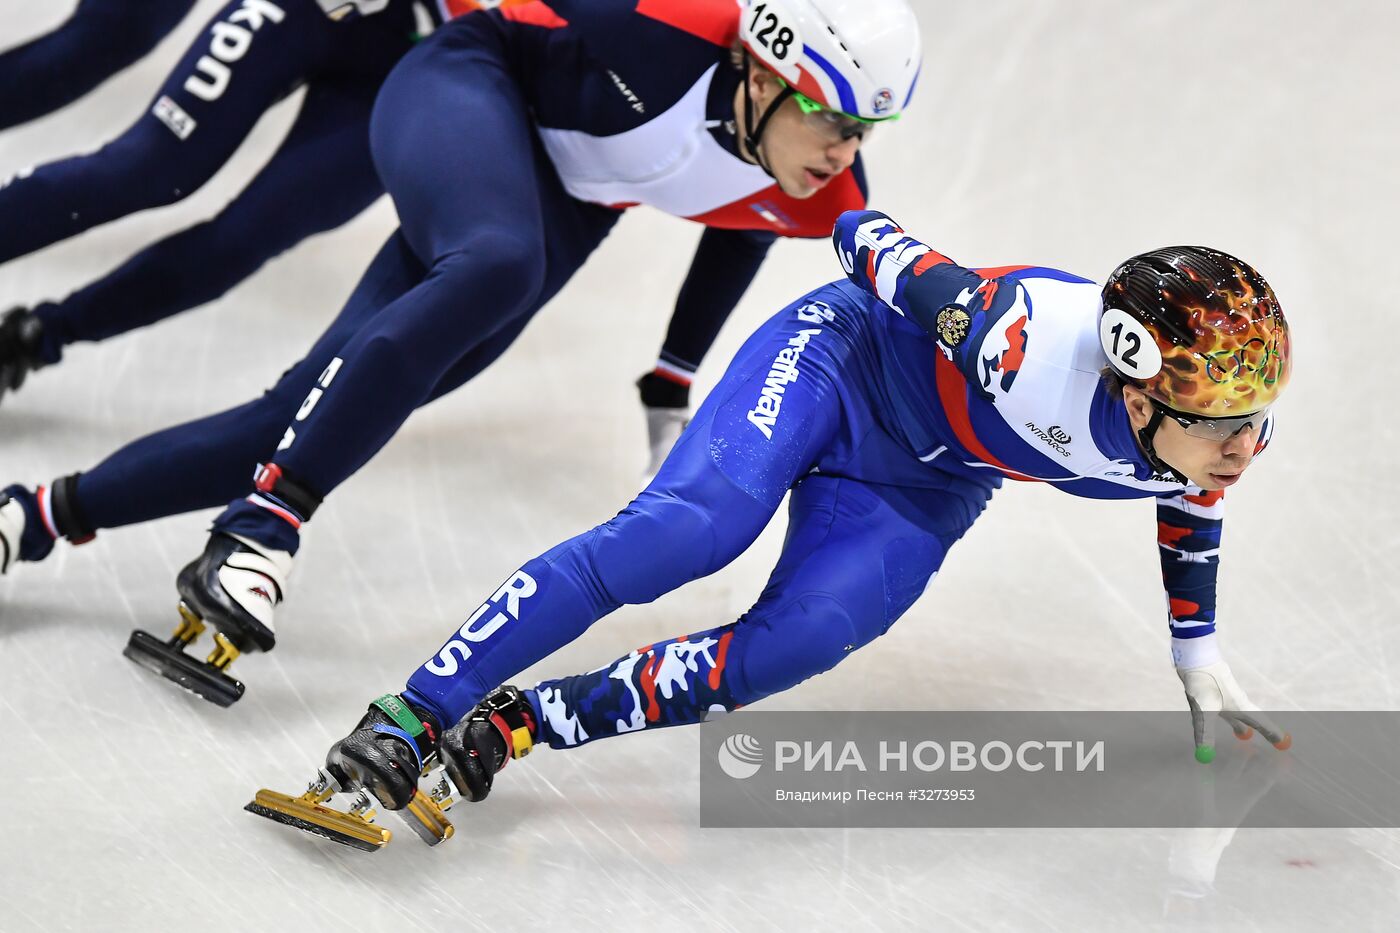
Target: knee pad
{"points": [[805, 637]]}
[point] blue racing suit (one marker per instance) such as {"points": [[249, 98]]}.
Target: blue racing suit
{"points": [[892, 405]]}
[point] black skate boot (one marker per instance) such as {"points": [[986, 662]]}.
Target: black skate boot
{"points": [[394, 747], [20, 331], [235, 586], [501, 727]]}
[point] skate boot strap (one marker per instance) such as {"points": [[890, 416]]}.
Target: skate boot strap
{"points": [[273, 482], [511, 714], [407, 725], [68, 517], [275, 566]]}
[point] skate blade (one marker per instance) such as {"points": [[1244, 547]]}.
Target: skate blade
{"points": [[305, 814], [201, 679], [426, 819]]}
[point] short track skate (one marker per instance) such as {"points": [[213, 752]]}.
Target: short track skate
{"points": [[232, 588], [206, 679], [355, 826]]}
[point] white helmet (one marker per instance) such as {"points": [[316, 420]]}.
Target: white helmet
{"points": [[858, 57]]}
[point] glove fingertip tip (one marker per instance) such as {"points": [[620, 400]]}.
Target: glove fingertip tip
{"points": [[1285, 743], [1245, 736], [1205, 754]]}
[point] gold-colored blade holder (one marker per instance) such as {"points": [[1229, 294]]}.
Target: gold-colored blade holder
{"points": [[310, 814], [355, 827], [424, 813]]}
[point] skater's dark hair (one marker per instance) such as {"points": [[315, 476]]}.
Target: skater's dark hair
{"points": [[1112, 382], [736, 54]]}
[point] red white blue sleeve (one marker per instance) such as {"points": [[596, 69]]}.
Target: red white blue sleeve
{"points": [[1188, 542], [1189, 525], [959, 308]]}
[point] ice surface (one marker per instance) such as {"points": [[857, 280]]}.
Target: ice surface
{"points": [[1068, 132]]}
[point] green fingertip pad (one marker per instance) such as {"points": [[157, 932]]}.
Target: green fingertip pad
{"points": [[1205, 754]]}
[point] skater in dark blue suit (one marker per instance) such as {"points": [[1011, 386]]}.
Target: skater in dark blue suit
{"points": [[321, 177], [99, 39], [254, 53], [510, 150]]}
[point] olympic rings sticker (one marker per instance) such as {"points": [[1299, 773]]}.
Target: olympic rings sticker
{"points": [[1129, 346]]}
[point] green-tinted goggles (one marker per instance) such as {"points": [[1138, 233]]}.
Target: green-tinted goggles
{"points": [[832, 124]]}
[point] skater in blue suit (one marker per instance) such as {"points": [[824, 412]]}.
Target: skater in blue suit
{"points": [[892, 406]]}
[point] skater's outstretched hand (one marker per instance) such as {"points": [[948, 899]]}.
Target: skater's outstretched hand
{"points": [[1211, 688]]}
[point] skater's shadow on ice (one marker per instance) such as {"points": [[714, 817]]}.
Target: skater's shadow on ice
{"points": [[21, 425]]}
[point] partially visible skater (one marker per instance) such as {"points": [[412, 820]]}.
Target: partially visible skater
{"points": [[511, 141], [97, 40], [321, 176], [251, 55], [891, 405]]}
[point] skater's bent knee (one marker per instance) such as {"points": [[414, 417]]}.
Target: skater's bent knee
{"points": [[805, 637], [654, 546], [499, 267]]}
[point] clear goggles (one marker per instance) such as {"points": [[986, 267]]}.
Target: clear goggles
{"points": [[1211, 428], [832, 125]]}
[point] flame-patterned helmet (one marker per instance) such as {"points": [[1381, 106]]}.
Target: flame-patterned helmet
{"points": [[1196, 329]]}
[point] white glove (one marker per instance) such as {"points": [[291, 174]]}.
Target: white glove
{"points": [[1211, 688]]}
